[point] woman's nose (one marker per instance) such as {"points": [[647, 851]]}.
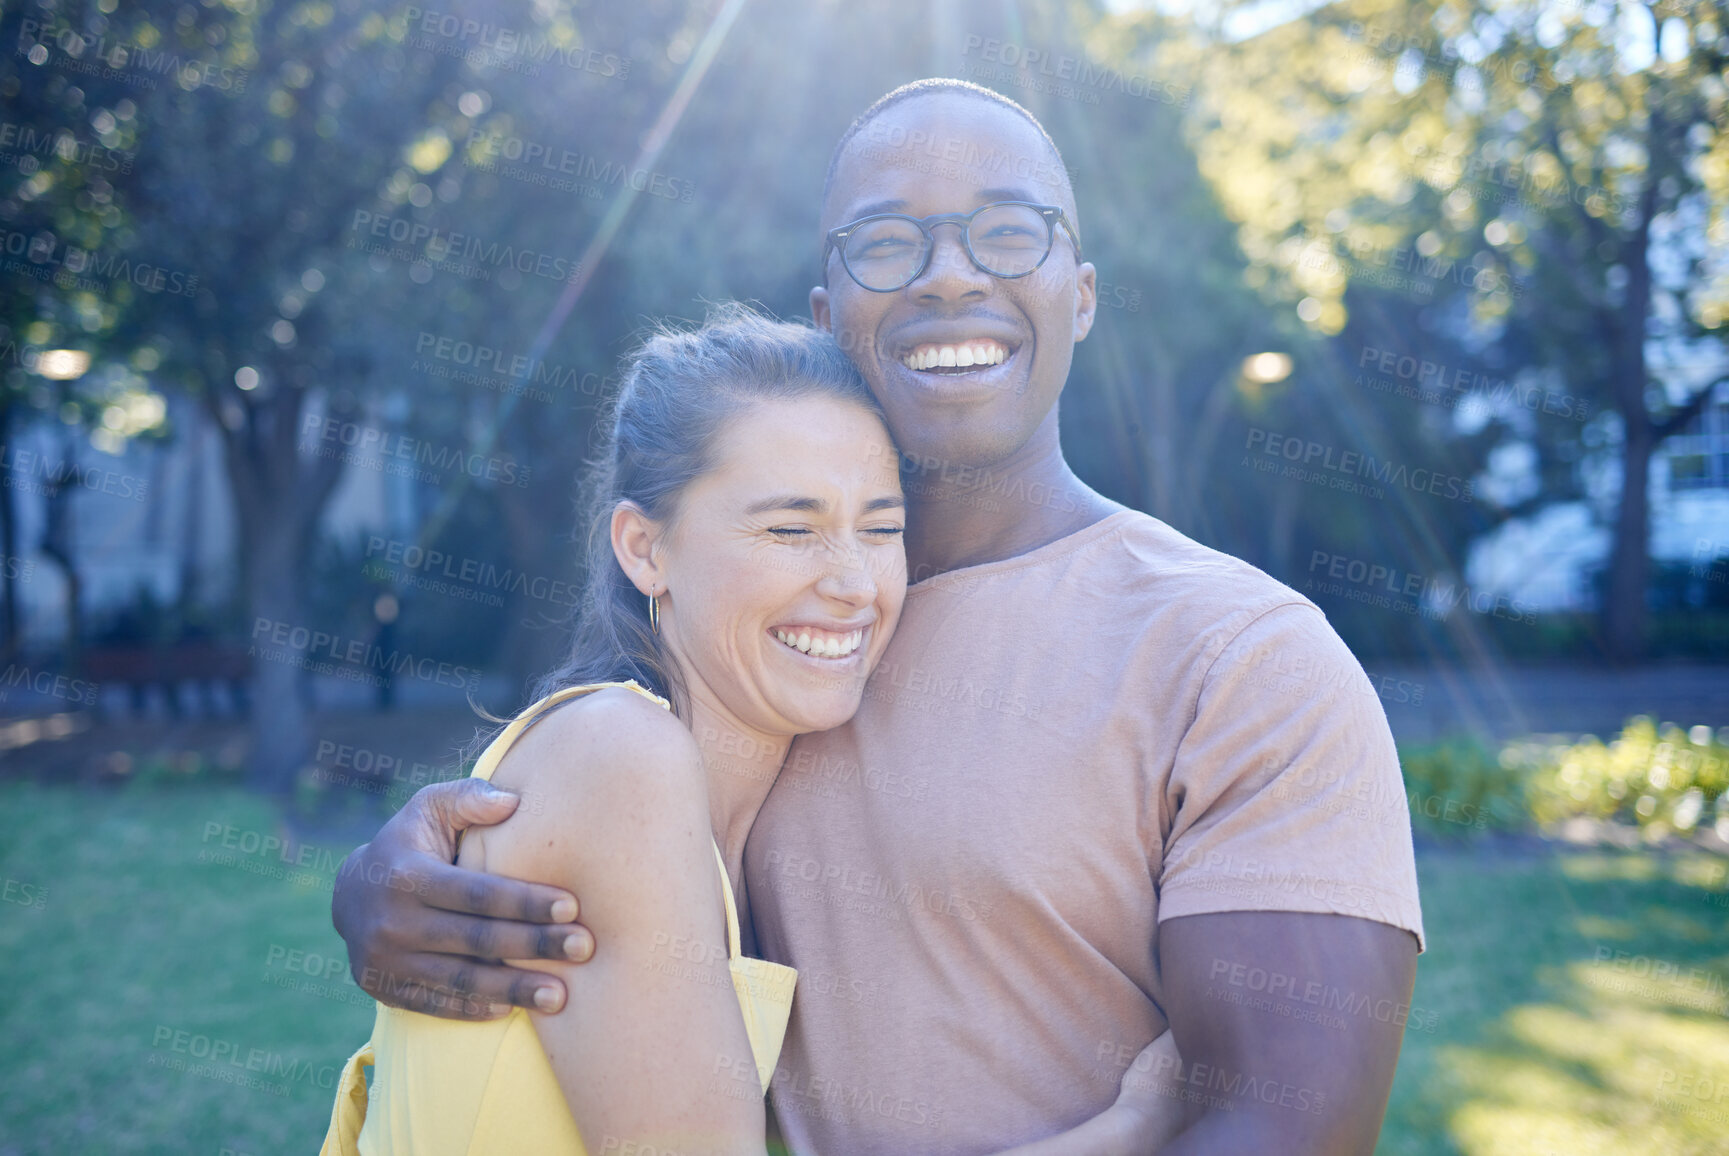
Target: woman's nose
{"points": [[847, 578]]}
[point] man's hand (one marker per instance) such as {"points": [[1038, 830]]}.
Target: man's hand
{"points": [[425, 935]]}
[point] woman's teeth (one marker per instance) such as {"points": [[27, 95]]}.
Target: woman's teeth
{"points": [[821, 644], [957, 356]]}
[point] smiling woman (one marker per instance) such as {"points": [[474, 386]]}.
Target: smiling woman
{"points": [[744, 573], [735, 412]]}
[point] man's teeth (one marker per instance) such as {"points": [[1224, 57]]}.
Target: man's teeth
{"points": [[821, 644], [958, 356]]}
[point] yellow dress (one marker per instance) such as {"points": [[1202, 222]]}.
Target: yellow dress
{"points": [[457, 1088]]}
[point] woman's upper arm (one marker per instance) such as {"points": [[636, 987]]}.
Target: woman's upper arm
{"points": [[650, 1047]]}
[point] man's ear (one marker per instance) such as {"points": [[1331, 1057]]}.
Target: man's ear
{"points": [[1086, 299], [635, 537], [819, 308]]}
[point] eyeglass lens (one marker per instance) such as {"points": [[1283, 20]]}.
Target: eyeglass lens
{"points": [[1006, 240]]}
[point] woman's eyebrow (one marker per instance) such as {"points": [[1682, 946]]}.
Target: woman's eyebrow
{"points": [[806, 505], [802, 505]]}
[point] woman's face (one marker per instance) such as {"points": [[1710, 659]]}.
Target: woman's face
{"points": [[783, 572]]}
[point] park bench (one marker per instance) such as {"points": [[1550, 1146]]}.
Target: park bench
{"points": [[203, 665]]}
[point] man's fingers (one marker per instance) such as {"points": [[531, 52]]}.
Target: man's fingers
{"points": [[443, 809], [495, 896], [450, 933], [468, 989]]}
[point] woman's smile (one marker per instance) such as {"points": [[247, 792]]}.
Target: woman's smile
{"points": [[821, 643]]}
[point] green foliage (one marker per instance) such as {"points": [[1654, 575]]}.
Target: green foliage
{"points": [[1459, 786], [1662, 778]]}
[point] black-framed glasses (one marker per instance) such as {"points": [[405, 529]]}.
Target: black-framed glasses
{"points": [[889, 251]]}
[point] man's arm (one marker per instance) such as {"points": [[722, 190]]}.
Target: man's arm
{"points": [[425, 935], [1290, 922], [1288, 1025]]}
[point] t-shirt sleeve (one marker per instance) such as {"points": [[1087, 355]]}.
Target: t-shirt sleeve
{"points": [[1285, 794]]}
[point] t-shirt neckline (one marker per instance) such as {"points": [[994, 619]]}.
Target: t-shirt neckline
{"points": [[1055, 548]]}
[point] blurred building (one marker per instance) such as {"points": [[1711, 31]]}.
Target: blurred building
{"points": [[151, 525], [1548, 561]]}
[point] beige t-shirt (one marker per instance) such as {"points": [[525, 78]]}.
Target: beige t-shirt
{"points": [[1057, 751]]}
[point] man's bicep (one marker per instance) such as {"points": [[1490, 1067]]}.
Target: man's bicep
{"points": [[1288, 1024]]}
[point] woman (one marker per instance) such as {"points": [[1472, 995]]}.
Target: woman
{"points": [[745, 573]]}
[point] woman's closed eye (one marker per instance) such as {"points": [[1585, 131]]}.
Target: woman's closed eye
{"points": [[789, 533]]}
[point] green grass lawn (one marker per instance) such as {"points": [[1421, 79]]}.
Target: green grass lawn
{"points": [[145, 950]]}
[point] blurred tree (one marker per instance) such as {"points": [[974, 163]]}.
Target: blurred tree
{"points": [[1552, 176], [55, 184], [227, 254]]}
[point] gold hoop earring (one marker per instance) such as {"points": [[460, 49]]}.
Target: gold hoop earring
{"points": [[653, 612]]}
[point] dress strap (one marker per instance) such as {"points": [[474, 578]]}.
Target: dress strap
{"points": [[348, 1114], [501, 745], [732, 947]]}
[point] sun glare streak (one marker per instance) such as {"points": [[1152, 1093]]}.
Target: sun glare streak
{"points": [[654, 142]]}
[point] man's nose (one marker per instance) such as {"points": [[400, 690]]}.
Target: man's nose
{"points": [[951, 272]]}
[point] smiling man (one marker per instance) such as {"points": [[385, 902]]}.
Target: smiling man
{"points": [[1104, 781]]}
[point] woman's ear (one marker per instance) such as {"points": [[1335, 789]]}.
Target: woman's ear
{"points": [[635, 537]]}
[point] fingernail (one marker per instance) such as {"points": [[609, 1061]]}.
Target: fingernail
{"points": [[546, 998], [578, 947], [563, 910]]}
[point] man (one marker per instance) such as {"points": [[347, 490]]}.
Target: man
{"points": [[1105, 780]]}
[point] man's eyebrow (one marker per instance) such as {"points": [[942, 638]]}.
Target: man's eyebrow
{"points": [[885, 503], [988, 195], [793, 502], [876, 207], [983, 196]]}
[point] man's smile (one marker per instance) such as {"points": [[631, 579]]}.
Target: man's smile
{"points": [[932, 355]]}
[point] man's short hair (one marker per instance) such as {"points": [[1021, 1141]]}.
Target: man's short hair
{"points": [[936, 86]]}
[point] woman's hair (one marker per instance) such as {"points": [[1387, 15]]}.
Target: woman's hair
{"points": [[679, 389]]}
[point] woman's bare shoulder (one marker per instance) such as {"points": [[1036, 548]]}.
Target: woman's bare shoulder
{"points": [[606, 761]]}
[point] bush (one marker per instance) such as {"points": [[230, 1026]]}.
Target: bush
{"points": [[1661, 778], [1458, 786]]}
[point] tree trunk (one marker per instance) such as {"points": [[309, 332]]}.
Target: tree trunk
{"points": [[538, 525], [59, 545], [192, 531], [1164, 448], [1629, 559], [10, 564], [1282, 532], [280, 723], [278, 498], [1624, 612]]}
